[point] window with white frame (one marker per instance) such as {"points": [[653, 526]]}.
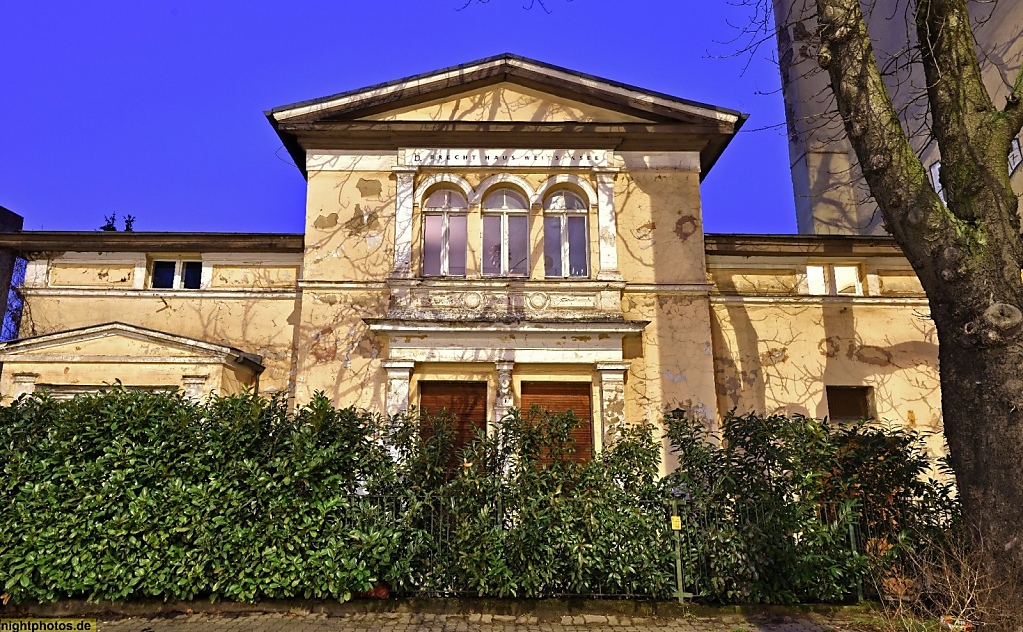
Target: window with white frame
{"points": [[834, 279], [175, 274], [505, 234], [1015, 156], [565, 241], [445, 233]]}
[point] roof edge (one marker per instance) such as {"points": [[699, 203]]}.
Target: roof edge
{"points": [[505, 57], [780, 245], [100, 241]]}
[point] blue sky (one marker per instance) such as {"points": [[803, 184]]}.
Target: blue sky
{"points": [[156, 109]]}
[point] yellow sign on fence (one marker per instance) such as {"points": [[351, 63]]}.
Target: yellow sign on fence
{"points": [[676, 523]]}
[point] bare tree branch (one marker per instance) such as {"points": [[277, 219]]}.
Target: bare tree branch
{"points": [[911, 209]]}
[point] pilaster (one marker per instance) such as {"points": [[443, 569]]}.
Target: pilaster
{"points": [[607, 243], [399, 374], [612, 398], [23, 384], [193, 387], [505, 400], [403, 202]]}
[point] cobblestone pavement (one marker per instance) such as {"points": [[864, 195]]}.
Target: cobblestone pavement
{"points": [[400, 622]]}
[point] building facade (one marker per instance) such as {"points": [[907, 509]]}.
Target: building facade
{"points": [[494, 235]]}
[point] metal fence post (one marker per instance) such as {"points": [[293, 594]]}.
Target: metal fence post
{"points": [[680, 592], [855, 550]]}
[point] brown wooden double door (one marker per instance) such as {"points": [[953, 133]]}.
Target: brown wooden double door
{"points": [[467, 404]]}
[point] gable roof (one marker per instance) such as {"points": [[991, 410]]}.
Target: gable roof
{"points": [[39, 345], [669, 122]]}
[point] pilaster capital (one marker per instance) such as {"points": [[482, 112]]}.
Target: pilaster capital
{"points": [[609, 369], [398, 367]]}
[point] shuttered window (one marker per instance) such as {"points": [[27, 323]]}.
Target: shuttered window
{"points": [[465, 401], [561, 397]]}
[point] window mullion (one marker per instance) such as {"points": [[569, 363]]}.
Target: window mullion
{"points": [[504, 244], [445, 235], [179, 266], [566, 266]]}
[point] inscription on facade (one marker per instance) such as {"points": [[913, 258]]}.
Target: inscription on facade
{"points": [[506, 158]]}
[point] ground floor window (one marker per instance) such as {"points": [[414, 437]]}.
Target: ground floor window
{"points": [[466, 402], [561, 397], [850, 403]]}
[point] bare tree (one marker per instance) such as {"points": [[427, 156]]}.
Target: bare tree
{"points": [[966, 250]]}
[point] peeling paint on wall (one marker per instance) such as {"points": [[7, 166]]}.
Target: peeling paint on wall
{"points": [[362, 221], [644, 232], [673, 377], [774, 356], [369, 188], [870, 354], [830, 346], [326, 221], [686, 226]]}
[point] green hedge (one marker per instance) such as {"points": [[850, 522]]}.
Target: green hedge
{"points": [[794, 509], [129, 494]]}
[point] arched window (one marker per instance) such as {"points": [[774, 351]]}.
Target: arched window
{"points": [[444, 233], [565, 238], [505, 234]]}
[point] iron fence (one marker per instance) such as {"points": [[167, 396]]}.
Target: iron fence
{"points": [[635, 548]]}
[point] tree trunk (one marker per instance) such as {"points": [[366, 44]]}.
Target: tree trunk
{"points": [[982, 406], [967, 253]]}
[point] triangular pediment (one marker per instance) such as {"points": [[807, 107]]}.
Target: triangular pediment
{"points": [[120, 340], [526, 79], [506, 102]]}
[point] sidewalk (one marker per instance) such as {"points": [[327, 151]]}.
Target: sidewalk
{"points": [[402, 622]]}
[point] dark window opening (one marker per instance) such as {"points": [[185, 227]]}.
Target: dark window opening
{"points": [[191, 275], [562, 397], [850, 403], [15, 304], [163, 274]]}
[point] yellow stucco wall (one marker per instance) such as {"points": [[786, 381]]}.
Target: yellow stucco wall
{"points": [[98, 275], [660, 231], [779, 358], [239, 276], [349, 229], [335, 351]]}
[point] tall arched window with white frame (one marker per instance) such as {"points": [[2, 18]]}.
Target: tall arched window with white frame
{"points": [[565, 238], [444, 233], [505, 234]]}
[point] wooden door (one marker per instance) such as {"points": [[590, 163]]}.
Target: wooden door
{"points": [[561, 397], [466, 402]]}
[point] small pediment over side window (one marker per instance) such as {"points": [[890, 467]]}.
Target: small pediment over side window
{"points": [[84, 360]]}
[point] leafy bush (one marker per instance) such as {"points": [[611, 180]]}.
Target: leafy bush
{"points": [[784, 509], [133, 494]]}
